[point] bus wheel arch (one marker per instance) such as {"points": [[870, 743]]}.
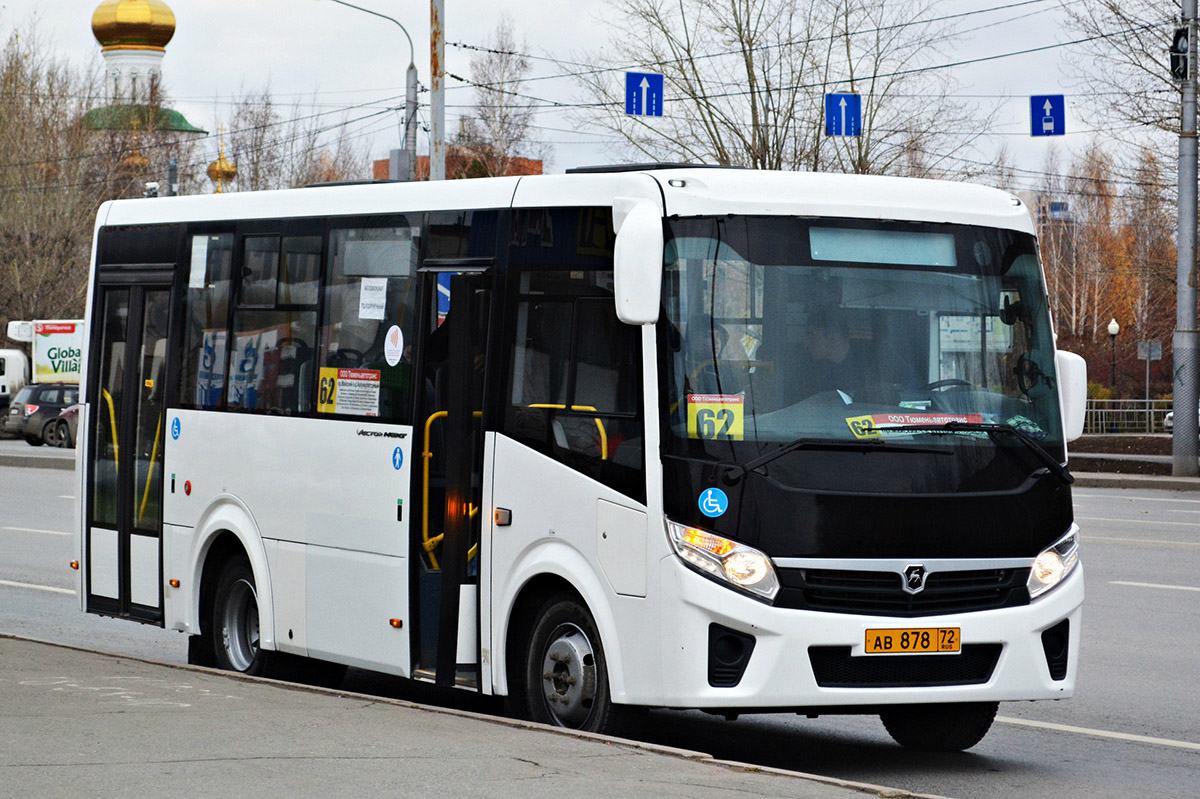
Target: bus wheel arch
{"points": [[226, 534], [555, 658]]}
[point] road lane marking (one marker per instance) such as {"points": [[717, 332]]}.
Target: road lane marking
{"points": [[35, 530], [1134, 521], [1155, 585], [1141, 540], [1138, 499], [49, 588], [72, 496], [1116, 736]]}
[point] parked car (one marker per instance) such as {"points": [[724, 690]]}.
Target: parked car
{"points": [[34, 411], [65, 428], [1169, 420]]}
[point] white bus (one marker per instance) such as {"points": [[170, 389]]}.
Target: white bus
{"points": [[622, 438]]}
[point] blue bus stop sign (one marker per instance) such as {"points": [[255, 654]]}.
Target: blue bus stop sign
{"points": [[643, 94], [1048, 115], [843, 115]]}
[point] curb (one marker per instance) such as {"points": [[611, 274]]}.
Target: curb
{"points": [[1143, 481], [38, 461], [658, 749]]}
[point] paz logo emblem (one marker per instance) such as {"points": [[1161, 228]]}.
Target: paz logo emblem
{"points": [[914, 579]]}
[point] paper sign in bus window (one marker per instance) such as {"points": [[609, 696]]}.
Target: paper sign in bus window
{"points": [[354, 392], [372, 298], [715, 416]]}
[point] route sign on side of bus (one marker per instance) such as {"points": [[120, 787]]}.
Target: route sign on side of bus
{"points": [[643, 94], [1047, 115], [843, 115]]}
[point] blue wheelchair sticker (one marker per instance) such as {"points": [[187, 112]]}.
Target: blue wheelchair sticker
{"points": [[176, 428], [397, 458], [713, 502]]}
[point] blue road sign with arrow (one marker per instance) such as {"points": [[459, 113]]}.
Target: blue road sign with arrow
{"points": [[843, 115], [643, 94], [1048, 115]]}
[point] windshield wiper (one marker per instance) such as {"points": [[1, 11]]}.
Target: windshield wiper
{"points": [[734, 472], [993, 429]]}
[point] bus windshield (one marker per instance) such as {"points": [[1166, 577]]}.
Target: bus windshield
{"points": [[853, 330]]}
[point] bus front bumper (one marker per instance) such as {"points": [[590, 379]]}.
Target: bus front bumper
{"points": [[807, 659]]}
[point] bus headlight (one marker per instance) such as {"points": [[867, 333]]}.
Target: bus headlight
{"points": [[727, 561], [1054, 564]]}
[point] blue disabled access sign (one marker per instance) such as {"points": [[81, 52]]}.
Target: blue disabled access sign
{"points": [[1048, 115], [843, 115], [643, 94]]}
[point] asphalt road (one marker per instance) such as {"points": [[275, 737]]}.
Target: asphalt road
{"points": [[1130, 731]]}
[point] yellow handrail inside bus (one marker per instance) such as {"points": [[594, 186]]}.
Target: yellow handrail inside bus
{"points": [[150, 471], [599, 424], [429, 544], [112, 419]]}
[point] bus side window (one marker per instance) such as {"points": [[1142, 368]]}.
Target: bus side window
{"points": [[202, 377], [275, 326], [575, 390], [364, 366]]}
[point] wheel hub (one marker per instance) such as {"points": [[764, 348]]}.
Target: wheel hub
{"points": [[239, 632], [569, 676]]}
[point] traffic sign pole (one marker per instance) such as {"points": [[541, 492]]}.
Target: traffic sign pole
{"points": [[1186, 399]]}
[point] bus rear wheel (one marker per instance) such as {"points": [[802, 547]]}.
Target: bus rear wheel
{"points": [[940, 728], [235, 630], [566, 677]]}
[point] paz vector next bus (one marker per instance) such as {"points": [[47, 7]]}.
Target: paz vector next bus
{"points": [[627, 437]]}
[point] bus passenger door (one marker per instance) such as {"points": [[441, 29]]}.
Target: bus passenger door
{"points": [[448, 481], [125, 439]]}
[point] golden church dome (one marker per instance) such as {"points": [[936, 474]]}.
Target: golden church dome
{"points": [[221, 171], [133, 24]]}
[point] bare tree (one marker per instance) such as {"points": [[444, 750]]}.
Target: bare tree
{"points": [[276, 148], [499, 129], [53, 175], [1127, 77], [746, 81], [254, 140]]}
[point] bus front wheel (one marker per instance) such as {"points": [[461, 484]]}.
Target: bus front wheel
{"points": [[940, 728], [235, 631], [566, 677]]}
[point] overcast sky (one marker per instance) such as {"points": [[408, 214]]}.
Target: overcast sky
{"points": [[351, 58]]}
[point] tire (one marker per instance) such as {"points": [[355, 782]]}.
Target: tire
{"points": [[940, 728], [34, 441], [235, 633], [566, 676], [62, 436]]}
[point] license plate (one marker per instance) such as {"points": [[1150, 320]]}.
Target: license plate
{"points": [[912, 640]]}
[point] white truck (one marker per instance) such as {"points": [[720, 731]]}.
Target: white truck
{"points": [[14, 373], [57, 349]]}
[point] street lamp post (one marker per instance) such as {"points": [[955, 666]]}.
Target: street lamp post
{"points": [[1113, 330], [409, 129]]}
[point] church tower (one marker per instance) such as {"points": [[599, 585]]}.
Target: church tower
{"points": [[134, 36]]}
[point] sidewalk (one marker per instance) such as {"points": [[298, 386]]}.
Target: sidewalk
{"points": [[81, 723]]}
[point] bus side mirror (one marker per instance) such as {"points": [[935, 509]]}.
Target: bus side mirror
{"points": [[637, 260], [1072, 388]]}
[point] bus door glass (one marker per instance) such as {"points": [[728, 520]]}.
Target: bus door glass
{"points": [[127, 437], [451, 476], [456, 305]]}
